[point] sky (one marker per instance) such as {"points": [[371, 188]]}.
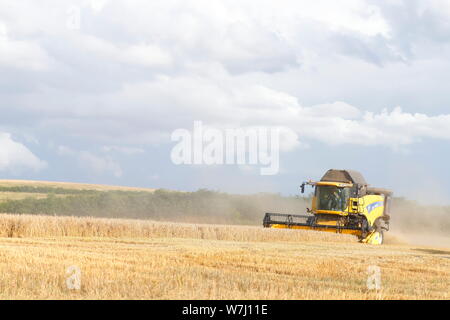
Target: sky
{"points": [[91, 91]]}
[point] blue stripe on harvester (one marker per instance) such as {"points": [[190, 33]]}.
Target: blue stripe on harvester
{"points": [[374, 205]]}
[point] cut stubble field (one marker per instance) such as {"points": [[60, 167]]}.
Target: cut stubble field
{"points": [[134, 259]]}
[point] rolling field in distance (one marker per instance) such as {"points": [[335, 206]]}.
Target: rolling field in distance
{"points": [[20, 195], [68, 185], [141, 258]]}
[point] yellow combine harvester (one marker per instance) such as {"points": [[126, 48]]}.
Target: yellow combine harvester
{"points": [[342, 203]]}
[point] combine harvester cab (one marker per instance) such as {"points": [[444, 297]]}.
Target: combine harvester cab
{"points": [[342, 203]]}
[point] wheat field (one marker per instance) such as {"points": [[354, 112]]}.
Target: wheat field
{"points": [[133, 259]]}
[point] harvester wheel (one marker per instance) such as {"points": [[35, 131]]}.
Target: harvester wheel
{"points": [[376, 236], [379, 229], [381, 235]]}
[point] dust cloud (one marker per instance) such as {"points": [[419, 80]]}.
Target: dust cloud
{"points": [[417, 224]]}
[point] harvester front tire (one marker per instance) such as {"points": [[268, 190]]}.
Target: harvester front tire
{"points": [[381, 235], [380, 230]]}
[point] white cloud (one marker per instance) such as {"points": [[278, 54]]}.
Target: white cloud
{"points": [[147, 112], [354, 15], [100, 165], [124, 150], [140, 54], [65, 151], [336, 109], [98, 5], [227, 103], [20, 53], [244, 36], [146, 55], [16, 157]]}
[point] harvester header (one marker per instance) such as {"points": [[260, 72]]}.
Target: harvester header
{"points": [[343, 202]]}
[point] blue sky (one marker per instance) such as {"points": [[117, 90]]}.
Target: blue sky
{"points": [[90, 91]]}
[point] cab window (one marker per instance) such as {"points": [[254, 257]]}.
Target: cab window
{"points": [[332, 198]]}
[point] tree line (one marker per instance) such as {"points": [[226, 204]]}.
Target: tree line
{"points": [[202, 206]]}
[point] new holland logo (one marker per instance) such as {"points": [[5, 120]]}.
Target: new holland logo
{"points": [[374, 205]]}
